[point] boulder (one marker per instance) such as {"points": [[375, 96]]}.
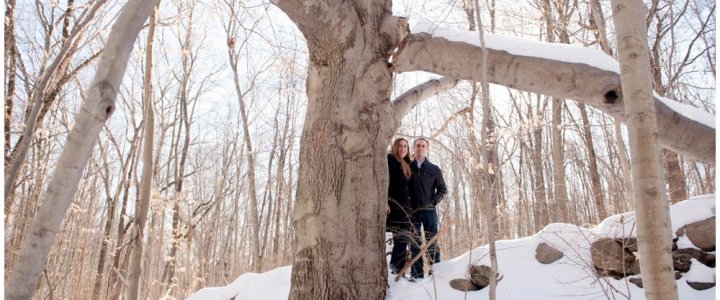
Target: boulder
{"points": [[700, 233], [634, 268], [637, 281], [546, 254], [705, 258], [463, 285], [480, 275], [630, 244], [610, 255]]}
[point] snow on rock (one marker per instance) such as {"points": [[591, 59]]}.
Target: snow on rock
{"points": [[699, 272], [273, 284], [695, 209], [571, 277]]}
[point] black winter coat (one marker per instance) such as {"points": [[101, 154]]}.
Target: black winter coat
{"points": [[427, 186], [398, 194]]}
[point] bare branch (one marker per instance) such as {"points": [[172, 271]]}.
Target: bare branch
{"points": [[405, 102]]}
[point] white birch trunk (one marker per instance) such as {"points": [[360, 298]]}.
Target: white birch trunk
{"points": [[651, 205]]}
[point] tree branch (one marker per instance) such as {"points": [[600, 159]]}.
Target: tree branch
{"points": [[322, 22], [592, 85], [405, 102]]}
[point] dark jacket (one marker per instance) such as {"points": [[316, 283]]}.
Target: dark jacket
{"points": [[398, 194], [427, 186]]}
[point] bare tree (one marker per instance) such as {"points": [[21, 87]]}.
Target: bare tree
{"points": [[234, 51], [147, 170], [47, 83]]}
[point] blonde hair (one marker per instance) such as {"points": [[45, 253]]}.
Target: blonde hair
{"points": [[395, 151]]}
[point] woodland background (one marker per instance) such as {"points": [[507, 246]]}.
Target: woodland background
{"points": [[229, 95]]}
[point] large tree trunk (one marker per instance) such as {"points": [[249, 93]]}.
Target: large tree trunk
{"points": [[96, 110], [651, 205], [340, 214], [340, 210]]}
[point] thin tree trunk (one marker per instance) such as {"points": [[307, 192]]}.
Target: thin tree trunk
{"points": [[676, 179], [112, 206], [541, 206], [234, 57], [651, 205], [673, 170], [10, 62], [148, 164], [114, 284], [489, 150], [558, 151], [96, 110], [597, 193], [254, 219]]}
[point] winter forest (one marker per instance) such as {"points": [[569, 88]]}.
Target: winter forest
{"points": [[156, 148]]}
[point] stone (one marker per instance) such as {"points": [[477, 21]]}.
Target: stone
{"points": [[700, 233], [703, 257], [480, 275], [546, 254], [610, 255], [681, 263], [701, 285], [463, 285], [637, 281]]}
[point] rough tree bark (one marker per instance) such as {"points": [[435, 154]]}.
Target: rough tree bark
{"points": [[96, 110], [339, 213], [651, 205]]}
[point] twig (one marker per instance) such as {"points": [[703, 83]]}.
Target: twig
{"points": [[422, 250]]}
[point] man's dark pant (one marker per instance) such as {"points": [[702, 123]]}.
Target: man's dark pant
{"points": [[428, 219], [401, 239]]}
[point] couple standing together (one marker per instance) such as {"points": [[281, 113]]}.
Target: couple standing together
{"points": [[416, 187]]}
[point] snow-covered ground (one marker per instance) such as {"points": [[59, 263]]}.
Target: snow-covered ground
{"points": [[524, 277]]}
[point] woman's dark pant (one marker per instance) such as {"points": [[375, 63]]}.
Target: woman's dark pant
{"points": [[401, 238], [428, 219]]}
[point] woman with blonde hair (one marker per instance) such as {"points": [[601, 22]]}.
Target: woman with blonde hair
{"points": [[399, 209]]}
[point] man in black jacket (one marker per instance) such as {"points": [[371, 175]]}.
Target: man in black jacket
{"points": [[427, 189]]}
